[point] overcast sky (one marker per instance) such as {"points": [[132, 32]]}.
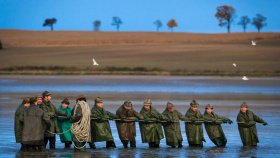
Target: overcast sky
{"points": [[197, 16]]}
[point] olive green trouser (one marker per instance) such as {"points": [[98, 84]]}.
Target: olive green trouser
{"points": [[79, 145], [220, 141]]}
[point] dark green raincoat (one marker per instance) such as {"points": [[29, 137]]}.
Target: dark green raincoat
{"points": [[151, 132], [50, 110], [18, 126], [100, 129], [194, 130], [248, 130], [215, 130], [172, 131], [64, 125]]}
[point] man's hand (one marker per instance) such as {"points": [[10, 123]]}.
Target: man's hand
{"points": [[136, 120], [230, 122], [224, 121], [99, 118], [158, 121], [265, 123], [170, 121], [146, 120]]}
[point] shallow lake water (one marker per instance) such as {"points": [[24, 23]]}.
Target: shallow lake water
{"points": [[225, 93]]}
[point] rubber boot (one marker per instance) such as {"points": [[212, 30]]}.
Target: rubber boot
{"points": [[110, 144], [52, 143], [41, 148], [92, 145], [151, 145], [157, 144], [180, 145], [22, 147], [79, 145], [125, 143], [68, 145]]}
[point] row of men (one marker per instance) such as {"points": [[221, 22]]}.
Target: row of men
{"points": [[29, 126]]}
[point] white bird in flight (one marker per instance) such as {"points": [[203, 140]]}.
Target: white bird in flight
{"points": [[245, 78], [94, 62], [253, 43], [234, 64]]}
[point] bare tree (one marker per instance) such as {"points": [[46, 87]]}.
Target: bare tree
{"points": [[172, 23], [158, 24], [225, 15], [259, 22], [117, 21], [96, 25], [50, 22], [244, 20]]}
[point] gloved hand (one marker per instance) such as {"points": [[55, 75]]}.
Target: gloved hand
{"points": [[230, 122], [170, 121], [146, 120], [213, 121], [265, 123], [136, 120], [121, 119], [68, 117], [192, 120], [99, 118], [106, 117], [158, 121], [110, 118], [224, 121]]}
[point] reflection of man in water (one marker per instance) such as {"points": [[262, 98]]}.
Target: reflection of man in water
{"points": [[18, 126], [194, 129], [214, 128], [247, 126], [127, 130], [33, 118]]}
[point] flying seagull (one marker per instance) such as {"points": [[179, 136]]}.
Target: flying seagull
{"points": [[94, 62], [234, 64], [245, 78], [253, 43]]}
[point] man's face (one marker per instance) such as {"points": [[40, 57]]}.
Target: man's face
{"points": [[194, 108], [48, 98], [64, 105], [35, 103], [39, 101], [171, 110], [27, 105], [147, 107], [99, 105], [208, 110], [243, 109]]}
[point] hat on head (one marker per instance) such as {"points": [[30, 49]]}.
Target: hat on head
{"points": [[81, 97], [170, 105], [244, 105], [194, 103], [33, 99], [98, 100], [38, 96], [128, 105], [26, 100], [209, 106], [66, 101], [46, 93], [147, 102]]}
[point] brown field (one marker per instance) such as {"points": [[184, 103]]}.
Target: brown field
{"points": [[186, 52]]}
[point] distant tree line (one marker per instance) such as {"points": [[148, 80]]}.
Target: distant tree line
{"points": [[225, 14]]}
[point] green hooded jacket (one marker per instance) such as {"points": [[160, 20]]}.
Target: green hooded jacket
{"points": [[214, 130], [64, 125], [248, 130], [151, 132], [194, 130], [18, 126], [100, 129], [50, 110], [172, 131]]}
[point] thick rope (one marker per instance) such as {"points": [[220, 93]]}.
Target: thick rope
{"points": [[81, 129]]}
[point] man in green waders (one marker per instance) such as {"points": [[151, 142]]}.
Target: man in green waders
{"points": [[100, 127], [214, 128], [18, 126], [194, 129], [151, 132], [247, 126], [81, 124], [172, 128]]}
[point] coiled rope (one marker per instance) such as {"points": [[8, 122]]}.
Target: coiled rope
{"points": [[81, 129]]}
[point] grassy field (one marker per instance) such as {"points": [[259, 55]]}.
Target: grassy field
{"points": [[71, 52]]}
